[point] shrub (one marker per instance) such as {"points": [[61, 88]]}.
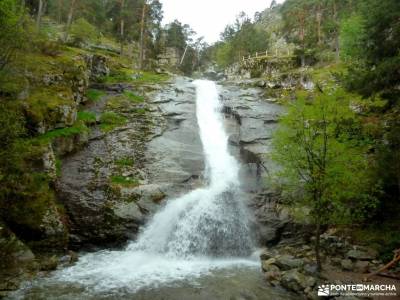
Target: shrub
{"points": [[82, 32]]}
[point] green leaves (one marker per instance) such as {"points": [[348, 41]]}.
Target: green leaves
{"points": [[321, 160]]}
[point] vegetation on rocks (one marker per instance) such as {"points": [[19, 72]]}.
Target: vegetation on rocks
{"points": [[77, 73]]}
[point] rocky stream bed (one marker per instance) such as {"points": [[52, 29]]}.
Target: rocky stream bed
{"points": [[112, 185]]}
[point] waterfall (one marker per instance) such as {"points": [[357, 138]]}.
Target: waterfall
{"points": [[203, 230], [211, 220]]}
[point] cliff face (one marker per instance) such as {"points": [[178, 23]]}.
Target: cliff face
{"points": [[71, 129]]}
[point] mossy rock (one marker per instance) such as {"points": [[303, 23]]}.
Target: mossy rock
{"points": [[35, 216], [13, 252], [47, 109]]}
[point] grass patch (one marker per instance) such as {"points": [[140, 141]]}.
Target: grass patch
{"points": [[109, 120], [124, 181], [87, 117], [129, 75], [76, 129], [125, 162], [133, 97], [120, 75], [94, 95], [150, 77]]}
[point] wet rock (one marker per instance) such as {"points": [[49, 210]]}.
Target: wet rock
{"points": [[97, 64], [70, 258], [365, 254], [269, 265], [346, 264], [68, 144], [12, 250], [296, 281], [128, 211], [361, 266], [273, 277], [266, 254], [311, 270], [287, 262], [49, 263]]}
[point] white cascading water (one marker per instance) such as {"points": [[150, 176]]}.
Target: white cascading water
{"points": [[203, 230]]}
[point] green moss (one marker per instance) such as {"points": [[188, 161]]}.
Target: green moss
{"points": [[120, 102], [133, 97], [124, 181], [119, 75], [87, 117], [150, 77], [109, 120], [94, 95], [129, 75], [58, 167], [42, 104], [125, 162], [76, 129], [29, 211]]}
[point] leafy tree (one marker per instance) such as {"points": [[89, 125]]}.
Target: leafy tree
{"points": [[352, 33], [82, 32], [12, 34], [322, 165], [380, 50], [240, 39]]}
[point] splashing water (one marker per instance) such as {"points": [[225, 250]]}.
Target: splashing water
{"points": [[201, 231]]}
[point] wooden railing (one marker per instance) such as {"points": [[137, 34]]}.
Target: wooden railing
{"points": [[269, 55]]}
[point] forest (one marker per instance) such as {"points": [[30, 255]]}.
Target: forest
{"points": [[99, 137]]}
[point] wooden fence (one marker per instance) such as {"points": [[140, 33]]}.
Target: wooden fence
{"points": [[269, 55]]}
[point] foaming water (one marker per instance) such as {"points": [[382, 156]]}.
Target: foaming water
{"points": [[191, 236]]}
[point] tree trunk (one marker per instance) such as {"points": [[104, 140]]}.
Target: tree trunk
{"points": [[302, 37], [122, 25], [337, 46], [69, 19], [142, 29], [319, 20], [317, 245], [59, 11], [39, 14]]}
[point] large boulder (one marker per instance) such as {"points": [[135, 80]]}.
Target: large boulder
{"points": [[362, 254], [297, 282], [287, 262]]}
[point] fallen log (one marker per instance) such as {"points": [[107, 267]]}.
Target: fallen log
{"points": [[393, 262]]}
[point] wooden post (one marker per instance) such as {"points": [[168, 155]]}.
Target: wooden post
{"points": [[266, 52], [256, 54]]}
